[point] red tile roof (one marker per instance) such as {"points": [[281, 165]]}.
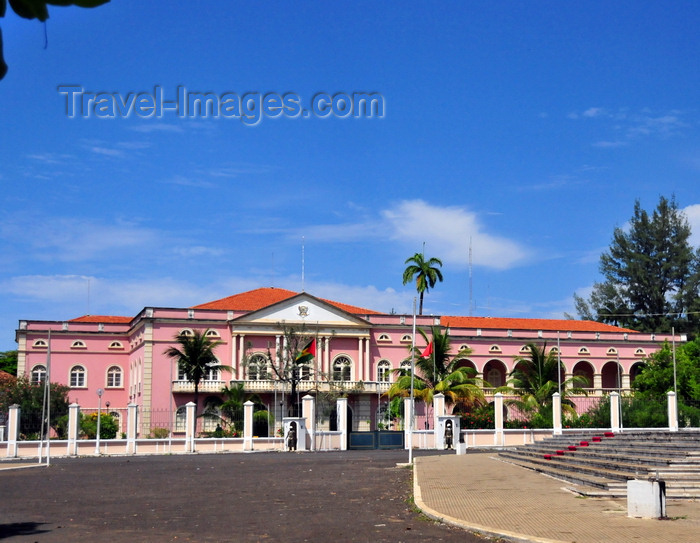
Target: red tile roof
{"points": [[562, 325], [264, 297], [106, 319]]}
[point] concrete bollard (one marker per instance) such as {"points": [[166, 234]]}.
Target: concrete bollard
{"points": [[646, 499]]}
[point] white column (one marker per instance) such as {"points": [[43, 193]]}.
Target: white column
{"points": [[556, 413], [241, 354], [190, 426], [614, 411], [248, 425], [328, 356], [498, 435], [12, 431], [308, 412], [368, 375], [672, 412], [360, 367], [341, 407], [131, 428], [234, 358], [626, 381], [73, 428]]}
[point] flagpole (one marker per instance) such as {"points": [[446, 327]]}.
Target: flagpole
{"points": [[45, 408], [48, 403], [413, 371]]}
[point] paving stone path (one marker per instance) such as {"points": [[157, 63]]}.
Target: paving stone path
{"points": [[260, 497]]}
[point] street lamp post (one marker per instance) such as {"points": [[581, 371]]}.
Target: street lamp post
{"points": [[99, 419]]}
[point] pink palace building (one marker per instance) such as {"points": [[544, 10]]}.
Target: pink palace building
{"points": [[357, 349]]}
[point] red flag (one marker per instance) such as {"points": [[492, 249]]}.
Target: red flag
{"points": [[428, 350], [307, 353]]}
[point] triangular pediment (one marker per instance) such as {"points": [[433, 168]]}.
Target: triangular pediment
{"points": [[303, 308]]}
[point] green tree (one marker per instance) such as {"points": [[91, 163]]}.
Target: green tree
{"points": [[651, 274], [426, 274], [195, 358], [656, 376], [437, 371], [38, 9], [535, 379], [292, 362], [8, 362], [30, 398]]}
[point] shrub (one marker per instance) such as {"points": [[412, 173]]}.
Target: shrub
{"points": [[108, 426]]}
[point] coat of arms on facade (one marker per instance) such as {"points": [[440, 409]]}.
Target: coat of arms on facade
{"points": [[303, 310]]}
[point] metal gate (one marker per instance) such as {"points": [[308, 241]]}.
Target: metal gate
{"points": [[378, 439]]}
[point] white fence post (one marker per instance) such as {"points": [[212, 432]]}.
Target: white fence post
{"points": [[498, 435], [556, 413], [308, 411], [614, 411], [341, 408], [190, 426], [248, 425], [408, 422], [73, 428], [131, 426], [13, 430], [672, 412]]}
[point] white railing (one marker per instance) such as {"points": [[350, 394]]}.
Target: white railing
{"points": [[271, 385], [204, 386]]}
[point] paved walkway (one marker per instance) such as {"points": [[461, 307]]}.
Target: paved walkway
{"points": [[483, 494]]}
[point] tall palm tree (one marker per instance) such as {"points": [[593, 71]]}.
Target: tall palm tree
{"points": [[437, 371], [535, 379], [425, 272], [195, 358]]}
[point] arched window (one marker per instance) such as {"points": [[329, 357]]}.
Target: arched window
{"points": [[116, 345], [495, 349], [406, 338], [584, 350], [212, 333], [384, 337], [187, 332], [38, 374], [384, 371], [77, 377], [181, 419], [114, 377], [213, 374], [342, 369], [257, 368], [212, 413], [406, 367], [40, 344], [78, 345]]}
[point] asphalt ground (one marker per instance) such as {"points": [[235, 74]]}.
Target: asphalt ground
{"points": [[257, 497]]}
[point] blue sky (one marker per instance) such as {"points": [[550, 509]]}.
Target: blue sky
{"points": [[530, 128]]}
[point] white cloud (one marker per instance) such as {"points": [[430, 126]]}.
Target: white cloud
{"points": [[692, 213], [116, 153], [610, 144], [157, 127], [183, 181], [593, 112], [629, 126], [448, 231]]}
